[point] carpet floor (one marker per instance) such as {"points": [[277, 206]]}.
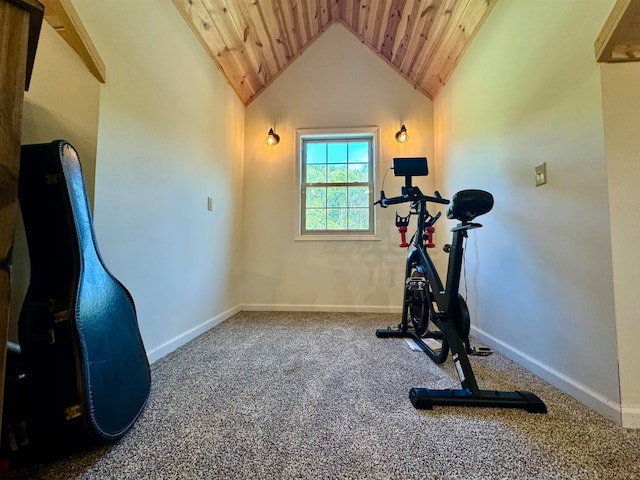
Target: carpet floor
{"points": [[317, 396]]}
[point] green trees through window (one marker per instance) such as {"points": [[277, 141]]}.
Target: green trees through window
{"points": [[337, 181]]}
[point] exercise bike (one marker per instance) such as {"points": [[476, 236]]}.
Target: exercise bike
{"points": [[435, 316]]}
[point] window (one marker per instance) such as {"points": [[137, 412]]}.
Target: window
{"points": [[336, 183]]}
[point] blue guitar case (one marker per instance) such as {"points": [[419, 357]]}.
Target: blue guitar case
{"points": [[87, 369]]}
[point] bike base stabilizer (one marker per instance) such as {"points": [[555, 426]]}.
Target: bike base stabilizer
{"points": [[424, 398]]}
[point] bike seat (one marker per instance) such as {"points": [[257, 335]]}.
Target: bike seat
{"points": [[469, 204]]}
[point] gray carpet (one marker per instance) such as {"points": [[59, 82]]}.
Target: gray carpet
{"points": [[318, 396]]}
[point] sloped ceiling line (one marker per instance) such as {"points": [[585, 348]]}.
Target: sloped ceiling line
{"points": [[253, 41]]}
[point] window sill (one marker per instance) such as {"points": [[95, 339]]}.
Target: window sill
{"points": [[338, 237]]}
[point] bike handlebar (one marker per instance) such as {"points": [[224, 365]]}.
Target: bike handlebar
{"points": [[385, 202]]}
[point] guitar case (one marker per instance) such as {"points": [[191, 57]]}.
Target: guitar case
{"points": [[86, 366]]}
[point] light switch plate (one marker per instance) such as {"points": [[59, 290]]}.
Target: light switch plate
{"points": [[209, 203], [541, 174]]}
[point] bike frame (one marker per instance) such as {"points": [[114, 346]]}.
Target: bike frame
{"points": [[445, 298]]}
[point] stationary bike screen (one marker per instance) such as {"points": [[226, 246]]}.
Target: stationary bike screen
{"points": [[410, 167]]}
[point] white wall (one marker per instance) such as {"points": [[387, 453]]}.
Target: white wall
{"points": [[170, 135], [621, 90], [63, 101], [337, 82], [540, 272]]}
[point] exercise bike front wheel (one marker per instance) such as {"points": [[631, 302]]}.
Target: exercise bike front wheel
{"points": [[420, 313]]}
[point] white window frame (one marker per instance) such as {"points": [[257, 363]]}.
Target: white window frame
{"points": [[337, 133]]}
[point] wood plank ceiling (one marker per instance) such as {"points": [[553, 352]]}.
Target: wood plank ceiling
{"points": [[252, 41]]}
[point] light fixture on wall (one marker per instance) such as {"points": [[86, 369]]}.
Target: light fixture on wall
{"points": [[401, 135], [272, 138]]}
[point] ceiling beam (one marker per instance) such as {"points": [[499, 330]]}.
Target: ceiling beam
{"points": [[62, 16], [619, 39]]}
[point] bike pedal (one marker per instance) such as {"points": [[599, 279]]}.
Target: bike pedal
{"points": [[480, 351]]}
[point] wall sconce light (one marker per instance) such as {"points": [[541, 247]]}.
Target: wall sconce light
{"points": [[272, 138], [401, 135]]}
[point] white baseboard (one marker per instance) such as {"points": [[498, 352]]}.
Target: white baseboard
{"points": [[630, 416], [179, 340], [604, 406], [263, 307]]}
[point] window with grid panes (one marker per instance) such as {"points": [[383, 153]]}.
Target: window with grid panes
{"points": [[336, 178]]}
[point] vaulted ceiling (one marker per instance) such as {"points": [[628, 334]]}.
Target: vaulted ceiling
{"points": [[252, 41]]}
